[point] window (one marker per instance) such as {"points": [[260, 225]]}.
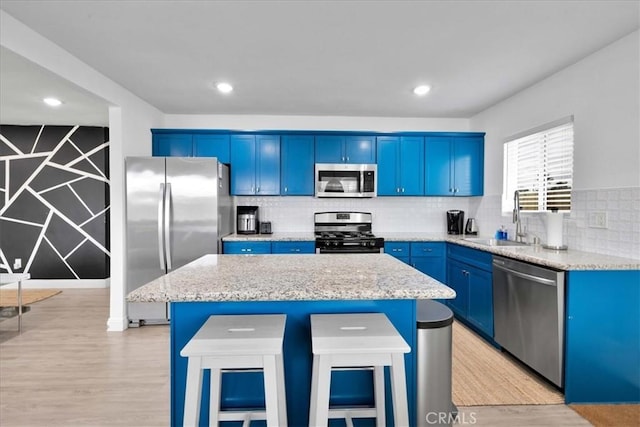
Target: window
{"points": [[539, 165]]}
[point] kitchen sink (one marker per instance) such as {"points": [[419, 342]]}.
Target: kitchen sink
{"points": [[493, 242]]}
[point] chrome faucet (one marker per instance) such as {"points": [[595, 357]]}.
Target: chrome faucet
{"points": [[516, 217]]}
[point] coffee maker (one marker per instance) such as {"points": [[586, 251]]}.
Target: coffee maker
{"points": [[455, 219], [247, 220]]}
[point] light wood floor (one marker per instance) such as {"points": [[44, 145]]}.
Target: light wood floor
{"points": [[66, 370]]}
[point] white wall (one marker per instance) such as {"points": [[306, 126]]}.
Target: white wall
{"points": [[257, 122], [130, 119], [602, 92]]}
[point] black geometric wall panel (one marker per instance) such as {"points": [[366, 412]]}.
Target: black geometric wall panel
{"points": [[54, 201]]}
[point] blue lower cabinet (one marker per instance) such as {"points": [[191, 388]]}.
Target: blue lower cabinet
{"points": [[469, 273], [458, 280], [307, 247], [481, 299], [602, 342], [246, 248], [246, 389], [400, 250], [429, 257]]}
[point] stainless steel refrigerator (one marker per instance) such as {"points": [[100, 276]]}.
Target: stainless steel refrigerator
{"points": [[177, 209]]}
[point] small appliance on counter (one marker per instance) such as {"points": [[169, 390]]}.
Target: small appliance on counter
{"points": [[247, 220], [472, 227], [265, 227], [455, 219]]}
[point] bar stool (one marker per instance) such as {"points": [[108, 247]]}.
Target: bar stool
{"points": [[236, 342], [354, 341]]}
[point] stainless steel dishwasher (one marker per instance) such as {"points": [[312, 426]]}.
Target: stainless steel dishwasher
{"points": [[528, 304]]}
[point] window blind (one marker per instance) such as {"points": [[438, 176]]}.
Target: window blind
{"points": [[540, 167]]}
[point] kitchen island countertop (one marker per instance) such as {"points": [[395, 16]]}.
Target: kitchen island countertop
{"points": [[310, 277]]}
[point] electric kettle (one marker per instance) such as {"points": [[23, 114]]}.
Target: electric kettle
{"points": [[471, 227]]}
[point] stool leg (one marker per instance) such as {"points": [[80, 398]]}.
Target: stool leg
{"points": [[378, 388], [193, 392], [399, 390], [320, 386], [214, 397], [282, 395], [271, 390]]}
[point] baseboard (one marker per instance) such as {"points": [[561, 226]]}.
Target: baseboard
{"points": [[117, 324], [61, 284]]}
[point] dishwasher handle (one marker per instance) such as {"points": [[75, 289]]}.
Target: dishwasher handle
{"points": [[541, 280]]}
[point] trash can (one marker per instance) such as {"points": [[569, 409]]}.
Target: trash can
{"points": [[434, 353]]}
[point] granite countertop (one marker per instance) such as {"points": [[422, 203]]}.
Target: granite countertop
{"points": [[308, 277], [567, 260]]}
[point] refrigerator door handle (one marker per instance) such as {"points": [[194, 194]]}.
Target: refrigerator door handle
{"points": [[167, 225], [160, 230]]}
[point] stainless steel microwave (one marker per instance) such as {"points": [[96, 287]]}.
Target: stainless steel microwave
{"points": [[346, 180]]}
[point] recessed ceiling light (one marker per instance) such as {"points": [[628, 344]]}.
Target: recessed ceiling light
{"points": [[224, 87], [53, 102], [422, 90]]}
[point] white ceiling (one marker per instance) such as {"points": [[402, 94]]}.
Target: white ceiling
{"points": [[349, 58]]}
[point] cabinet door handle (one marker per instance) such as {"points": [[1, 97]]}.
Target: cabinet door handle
{"points": [[285, 189], [248, 249], [347, 158], [342, 158], [428, 250], [403, 189]]}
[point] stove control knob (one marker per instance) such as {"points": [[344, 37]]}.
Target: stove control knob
{"points": [[372, 243]]}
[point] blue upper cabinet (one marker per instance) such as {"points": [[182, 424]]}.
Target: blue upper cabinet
{"points": [[205, 145], [360, 149], [297, 165], [345, 149], [170, 144], [255, 165], [468, 166], [415, 164], [400, 166], [454, 166]]}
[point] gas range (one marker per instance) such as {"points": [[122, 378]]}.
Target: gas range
{"points": [[346, 232]]}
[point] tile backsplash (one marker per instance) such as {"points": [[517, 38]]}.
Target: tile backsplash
{"points": [[621, 237], [390, 214], [427, 214]]}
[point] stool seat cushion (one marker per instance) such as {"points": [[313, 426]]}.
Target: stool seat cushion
{"points": [[355, 333], [238, 334]]}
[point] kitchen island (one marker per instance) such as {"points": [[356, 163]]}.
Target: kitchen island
{"points": [[297, 285]]}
